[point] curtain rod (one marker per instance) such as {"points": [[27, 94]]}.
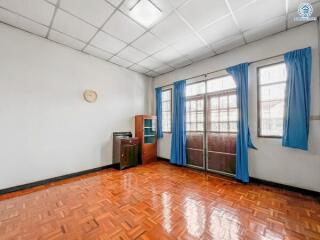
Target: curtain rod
{"points": [[205, 74]]}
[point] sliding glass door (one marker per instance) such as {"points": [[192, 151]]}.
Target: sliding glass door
{"points": [[211, 121]]}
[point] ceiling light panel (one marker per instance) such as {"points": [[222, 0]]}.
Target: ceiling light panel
{"points": [[123, 27], [259, 12], [172, 29], [149, 43], [201, 13], [132, 54], [22, 23], [97, 52], [145, 12], [73, 26], [37, 10], [95, 12], [107, 42], [164, 5], [66, 40]]}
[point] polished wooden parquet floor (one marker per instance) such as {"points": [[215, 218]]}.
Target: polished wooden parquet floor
{"points": [[157, 201]]}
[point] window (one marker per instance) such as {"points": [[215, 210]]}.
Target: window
{"points": [[222, 105], [271, 95], [195, 107], [166, 110]]}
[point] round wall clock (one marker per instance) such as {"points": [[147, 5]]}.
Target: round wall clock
{"points": [[90, 96]]}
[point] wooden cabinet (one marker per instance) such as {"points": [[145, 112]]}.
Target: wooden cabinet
{"points": [[146, 131]]}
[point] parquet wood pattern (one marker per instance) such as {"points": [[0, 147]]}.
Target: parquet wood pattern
{"points": [[157, 201]]}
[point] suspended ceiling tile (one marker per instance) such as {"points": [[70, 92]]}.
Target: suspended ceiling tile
{"points": [[66, 40], [148, 43], [172, 29], [52, 1], [73, 26], [189, 44], [180, 62], [97, 52], [132, 54], [115, 2], [95, 12], [37, 10], [237, 4], [22, 23], [259, 12], [107, 42], [265, 30], [152, 74], [228, 43], [150, 63], [120, 61], [200, 54], [123, 27], [201, 13], [138, 68], [219, 30], [164, 69], [167, 54]]}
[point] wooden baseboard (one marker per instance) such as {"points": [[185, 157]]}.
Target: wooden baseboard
{"points": [[54, 179]]}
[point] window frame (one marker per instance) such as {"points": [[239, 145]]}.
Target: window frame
{"points": [[259, 100], [198, 97], [171, 105]]}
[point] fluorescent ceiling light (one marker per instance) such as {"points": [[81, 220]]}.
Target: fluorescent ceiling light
{"points": [[145, 12]]}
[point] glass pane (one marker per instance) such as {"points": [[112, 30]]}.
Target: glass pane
{"points": [[223, 116], [224, 102], [188, 126], [193, 105], [195, 89], [200, 105], [214, 102], [200, 117], [200, 126], [272, 92], [223, 127], [188, 106], [193, 127], [188, 117], [214, 116], [214, 127], [166, 95], [219, 84], [233, 115], [193, 116], [233, 126], [273, 73], [233, 101]]}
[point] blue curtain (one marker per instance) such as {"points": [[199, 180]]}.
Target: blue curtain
{"points": [[297, 104], [178, 142], [240, 76], [159, 112]]}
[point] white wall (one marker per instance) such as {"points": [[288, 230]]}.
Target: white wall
{"points": [[46, 127], [271, 161]]}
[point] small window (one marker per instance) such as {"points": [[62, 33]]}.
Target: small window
{"points": [[166, 110], [194, 89], [222, 105], [271, 96]]}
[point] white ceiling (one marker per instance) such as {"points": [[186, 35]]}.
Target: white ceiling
{"points": [[187, 31]]}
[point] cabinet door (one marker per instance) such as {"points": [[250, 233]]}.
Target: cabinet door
{"points": [[149, 153]]}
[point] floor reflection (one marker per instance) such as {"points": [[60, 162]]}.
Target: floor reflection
{"points": [[195, 216]]}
